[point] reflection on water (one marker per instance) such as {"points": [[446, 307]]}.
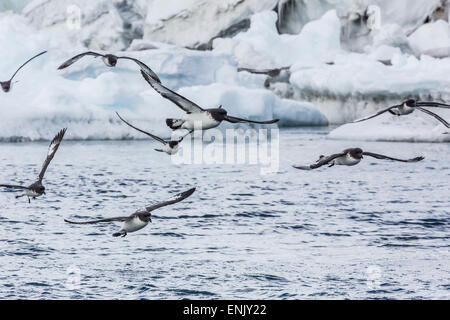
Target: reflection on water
{"points": [[376, 230]]}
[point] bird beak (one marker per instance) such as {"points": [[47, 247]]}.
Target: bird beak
{"points": [[45, 193]]}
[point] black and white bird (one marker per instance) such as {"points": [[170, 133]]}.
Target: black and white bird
{"points": [[110, 60], [350, 157], [408, 107], [6, 85], [141, 217], [196, 118], [170, 147], [37, 189]]}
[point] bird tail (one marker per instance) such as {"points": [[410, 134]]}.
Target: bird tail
{"points": [[174, 123]]}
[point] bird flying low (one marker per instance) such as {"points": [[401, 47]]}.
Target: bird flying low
{"points": [[110, 60], [37, 189], [170, 147], [196, 117], [408, 107], [140, 218], [350, 157]]}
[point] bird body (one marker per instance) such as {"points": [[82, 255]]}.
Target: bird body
{"points": [[347, 160], [196, 121], [134, 223], [404, 109]]}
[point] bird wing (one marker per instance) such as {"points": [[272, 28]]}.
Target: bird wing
{"points": [[376, 114], [321, 162], [54, 145], [144, 67], [98, 221], [176, 198], [182, 102], [26, 63], [240, 120], [380, 156], [445, 123], [433, 105], [147, 133], [78, 57], [13, 186]]}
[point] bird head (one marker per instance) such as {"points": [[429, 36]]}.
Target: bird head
{"points": [[110, 60], [356, 153], [219, 113], [6, 86], [410, 103], [173, 144]]}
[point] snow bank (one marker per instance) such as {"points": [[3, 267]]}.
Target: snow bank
{"points": [[262, 47], [359, 82], [85, 96], [412, 128], [430, 36], [191, 23]]}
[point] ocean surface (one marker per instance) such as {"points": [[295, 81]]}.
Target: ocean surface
{"points": [[379, 230]]}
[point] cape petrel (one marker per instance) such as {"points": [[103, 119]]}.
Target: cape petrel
{"points": [[6, 85], [37, 189], [141, 217], [350, 157]]}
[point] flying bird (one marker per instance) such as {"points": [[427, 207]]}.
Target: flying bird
{"points": [[141, 217], [350, 157], [37, 189], [110, 60], [6, 85], [408, 107], [170, 147], [196, 117]]}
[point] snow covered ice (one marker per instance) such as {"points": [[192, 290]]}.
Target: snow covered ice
{"points": [[334, 55]]}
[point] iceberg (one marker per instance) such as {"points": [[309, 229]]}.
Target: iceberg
{"points": [[411, 128]]}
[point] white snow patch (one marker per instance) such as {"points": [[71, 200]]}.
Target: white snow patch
{"points": [[262, 47], [430, 36], [410, 128]]}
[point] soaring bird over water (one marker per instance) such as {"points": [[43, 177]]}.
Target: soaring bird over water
{"points": [[141, 217], [408, 107], [170, 147], [37, 189], [196, 117], [350, 157]]}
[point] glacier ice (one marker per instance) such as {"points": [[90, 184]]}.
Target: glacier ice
{"points": [[412, 128], [342, 65], [262, 47], [85, 96]]}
